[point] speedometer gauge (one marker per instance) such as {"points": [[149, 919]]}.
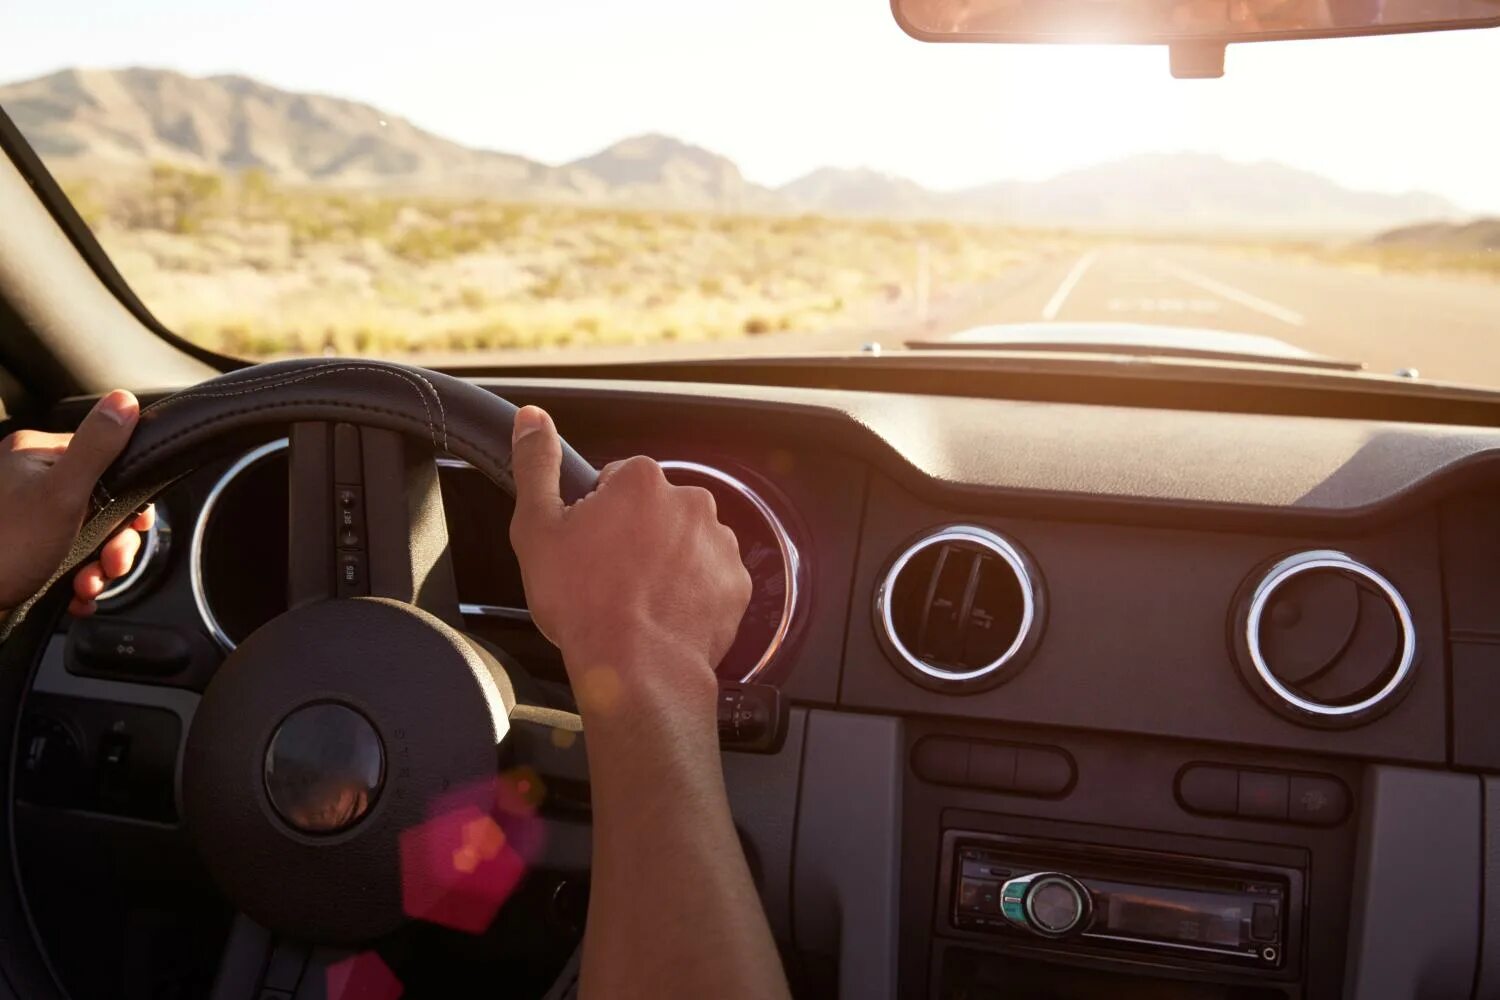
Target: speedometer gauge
{"points": [[768, 553]]}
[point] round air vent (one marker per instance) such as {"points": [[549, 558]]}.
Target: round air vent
{"points": [[1324, 639], [960, 609]]}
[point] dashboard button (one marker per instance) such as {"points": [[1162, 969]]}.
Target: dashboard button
{"points": [[1263, 795], [113, 768], [126, 647], [1042, 772], [1203, 788], [351, 574], [977, 895], [349, 517], [1317, 800], [992, 765], [1265, 923], [941, 759]]}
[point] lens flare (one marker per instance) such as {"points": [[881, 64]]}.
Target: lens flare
{"points": [[362, 977], [459, 866]]}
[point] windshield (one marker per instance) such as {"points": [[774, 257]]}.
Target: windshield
{"points": [[478, 182]]}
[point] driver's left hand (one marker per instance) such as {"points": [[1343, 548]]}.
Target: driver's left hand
{"points": [[45, 484]]}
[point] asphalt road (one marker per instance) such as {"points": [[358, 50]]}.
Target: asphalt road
{"points": [[1448, 328]]}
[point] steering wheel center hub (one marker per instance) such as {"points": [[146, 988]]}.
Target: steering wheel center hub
{"points": [[325, 767], [324, 736]]}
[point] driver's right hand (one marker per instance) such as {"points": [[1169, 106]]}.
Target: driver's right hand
{"points": [[638, 584]]}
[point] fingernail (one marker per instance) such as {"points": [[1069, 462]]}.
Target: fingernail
{"points": [[528, 419], [119, 406]]}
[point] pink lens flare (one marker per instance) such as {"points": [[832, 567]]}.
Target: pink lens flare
{"points": [[460, 866], [362, 977]]}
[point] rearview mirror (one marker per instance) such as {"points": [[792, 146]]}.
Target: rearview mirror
{"points": [[1195, 29]]}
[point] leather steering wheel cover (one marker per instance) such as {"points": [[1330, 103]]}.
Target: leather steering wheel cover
{"points": [[187, 428], [452, 416], [175, 434]]}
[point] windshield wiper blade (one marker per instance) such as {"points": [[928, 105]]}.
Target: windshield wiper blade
{"points": [[1139, 349], [1133, 340]]}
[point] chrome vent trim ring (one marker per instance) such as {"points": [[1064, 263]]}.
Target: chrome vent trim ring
{"points": [[984, 538], [200, 532], [1329, 559]]}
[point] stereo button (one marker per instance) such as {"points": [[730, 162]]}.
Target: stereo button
{"points": [[992, 765], [942, 760], [1318, 801], [1042, 772], [1206, 789], [1265, 925], [978, 895], [1262, 795]]}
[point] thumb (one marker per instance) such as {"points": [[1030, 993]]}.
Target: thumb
{"points": [[536, 462], [99, 439]]}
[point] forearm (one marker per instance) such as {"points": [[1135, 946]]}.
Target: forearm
{"points": [[673, 911]]}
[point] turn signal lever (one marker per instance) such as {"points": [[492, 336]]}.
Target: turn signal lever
{"points": [[752, 718], [1048, 904]]}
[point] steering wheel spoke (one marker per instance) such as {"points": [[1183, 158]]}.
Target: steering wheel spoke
{"points": [[366, 518], [259, 965]]}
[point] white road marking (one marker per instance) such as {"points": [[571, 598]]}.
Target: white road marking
{"points": [[1231, 294], [1055, 304]]}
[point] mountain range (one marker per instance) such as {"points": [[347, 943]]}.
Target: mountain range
{"points": [[93, 122]]}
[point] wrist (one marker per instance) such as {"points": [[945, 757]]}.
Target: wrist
{"points": [[633, 704]]}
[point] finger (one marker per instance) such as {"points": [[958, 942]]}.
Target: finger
{"points": [[145, 519], [118, 554], [81, 609], [89, 582], [605, 475], [100, 438], [536, 462]]}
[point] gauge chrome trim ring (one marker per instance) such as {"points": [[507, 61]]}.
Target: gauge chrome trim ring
{"points": [[974, 535], [156, 544], [495, 611], [200, 531], [1306, 562], [790, 558]]}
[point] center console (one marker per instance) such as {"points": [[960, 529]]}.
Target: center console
{"points": [[1120, 880], [1093, 901]]}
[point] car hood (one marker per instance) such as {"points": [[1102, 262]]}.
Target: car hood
{"points": [[1131, 338]]}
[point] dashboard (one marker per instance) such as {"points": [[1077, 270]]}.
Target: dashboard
{"points": [[1084, 701]]}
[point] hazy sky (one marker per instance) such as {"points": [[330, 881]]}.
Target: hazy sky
{"points": [[783, 86]]}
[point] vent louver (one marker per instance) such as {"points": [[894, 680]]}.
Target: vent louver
{"points": [[960, 608]]}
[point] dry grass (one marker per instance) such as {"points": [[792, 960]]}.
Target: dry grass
{"points": [[1372, 257], [250, 268]]}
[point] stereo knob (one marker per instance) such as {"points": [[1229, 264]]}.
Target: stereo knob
{"points": [[1049, 904]]}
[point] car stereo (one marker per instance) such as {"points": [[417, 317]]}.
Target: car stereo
{"points": [[1102, 901]]}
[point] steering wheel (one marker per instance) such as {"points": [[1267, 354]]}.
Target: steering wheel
{"points": [[342, 775]]}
